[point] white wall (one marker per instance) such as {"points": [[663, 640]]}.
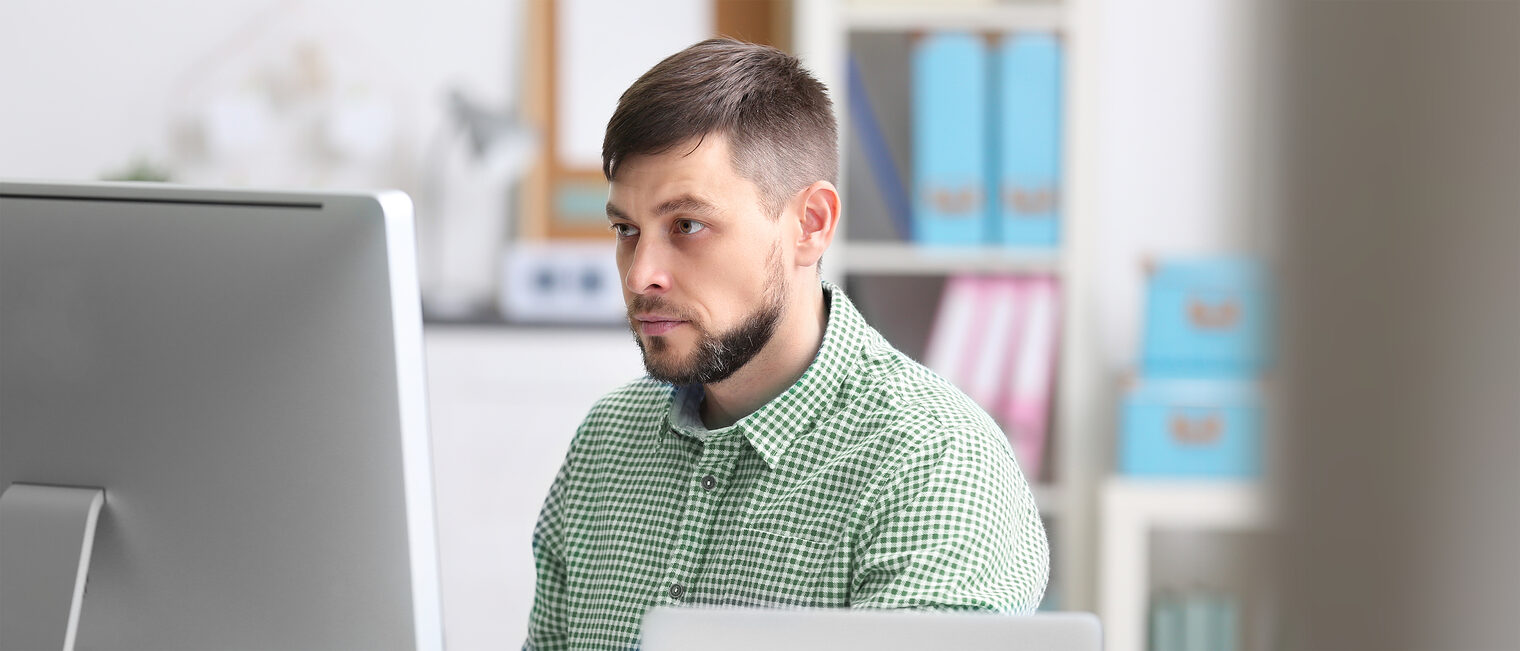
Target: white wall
{"points": [[1177, 101], [90, 85]]}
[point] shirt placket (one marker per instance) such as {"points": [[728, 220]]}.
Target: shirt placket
{"points": [[710, 476]]}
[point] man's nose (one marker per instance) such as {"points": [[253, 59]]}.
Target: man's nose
{"points": [[648, 271]]}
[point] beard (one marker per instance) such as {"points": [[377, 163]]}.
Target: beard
{"points": [[717, 356]]}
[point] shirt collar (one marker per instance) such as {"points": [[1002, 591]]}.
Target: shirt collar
{"points": [[773, 427]]}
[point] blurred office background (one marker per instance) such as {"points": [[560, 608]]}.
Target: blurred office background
{"points": [[1251, 266]]}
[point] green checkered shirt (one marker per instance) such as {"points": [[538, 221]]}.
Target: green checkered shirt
{"points": [[870, 483]]}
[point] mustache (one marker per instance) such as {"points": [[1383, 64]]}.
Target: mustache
{"points": [[651, 303]]}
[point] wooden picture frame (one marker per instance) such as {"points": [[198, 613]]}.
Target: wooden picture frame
{"points": [[563, 200]]}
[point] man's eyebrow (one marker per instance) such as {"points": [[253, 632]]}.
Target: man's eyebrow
{"points": [[687, 204]]}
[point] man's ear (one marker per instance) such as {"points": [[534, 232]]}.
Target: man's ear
{"points": [[818, 216]]}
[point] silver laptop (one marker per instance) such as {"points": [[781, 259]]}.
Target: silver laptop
{"points": [[668, 628]]}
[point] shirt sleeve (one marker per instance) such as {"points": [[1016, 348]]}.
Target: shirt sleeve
{"points": [[548, 627], [954, 526]]}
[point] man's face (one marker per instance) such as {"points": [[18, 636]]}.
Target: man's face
{"points": [[704, 272]]}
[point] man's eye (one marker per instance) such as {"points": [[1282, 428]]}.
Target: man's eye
{"points": [[624, 230], [687, 226]]}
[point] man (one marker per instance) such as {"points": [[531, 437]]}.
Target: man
{"points": [[780, 452]]}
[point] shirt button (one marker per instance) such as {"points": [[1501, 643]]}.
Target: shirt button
{"points": [[709, 482], [676, 590]]}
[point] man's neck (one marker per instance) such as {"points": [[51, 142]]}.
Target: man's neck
{"points": [[776, 368]]}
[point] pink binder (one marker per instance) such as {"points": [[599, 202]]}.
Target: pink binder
{"points": [[1026, 401], [993, 340], [951, 336]]}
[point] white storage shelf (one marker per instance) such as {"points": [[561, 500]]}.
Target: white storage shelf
{"points": [[822, 31], [1132, 509], [1105, 525], [503, 404]]}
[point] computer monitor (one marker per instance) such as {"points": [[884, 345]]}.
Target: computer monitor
{"points": [[233, 381]]}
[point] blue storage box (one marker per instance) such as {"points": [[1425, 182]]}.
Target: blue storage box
{"points": [[1192, 428], [1206, 317]]}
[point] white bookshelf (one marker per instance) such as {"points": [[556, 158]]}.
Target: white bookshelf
{"points": [[821, 31], [1135, 508], [1102, 526], [1050, 497]]}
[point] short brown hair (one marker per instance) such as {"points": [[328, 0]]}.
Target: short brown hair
{"points": [[777, 116]]}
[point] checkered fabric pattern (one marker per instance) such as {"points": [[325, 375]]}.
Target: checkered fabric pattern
{"points": [[870, 483]]}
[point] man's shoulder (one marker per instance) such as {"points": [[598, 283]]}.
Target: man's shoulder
{"points": [[892, 377], [621, 420], [640, 400], [924, 406]]}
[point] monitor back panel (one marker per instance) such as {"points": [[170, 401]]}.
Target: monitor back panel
{"points": [[224, 366]]}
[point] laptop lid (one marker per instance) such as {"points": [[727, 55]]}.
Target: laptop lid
{"points": [[669, 628]]}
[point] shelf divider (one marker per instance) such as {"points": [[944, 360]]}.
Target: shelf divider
{"points": [[912, 259], [1023, 16]]}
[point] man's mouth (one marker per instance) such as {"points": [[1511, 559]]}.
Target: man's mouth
{"points": [[654, 326]]}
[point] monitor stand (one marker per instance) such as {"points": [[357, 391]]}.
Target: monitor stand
{"points": [[46, 535]]}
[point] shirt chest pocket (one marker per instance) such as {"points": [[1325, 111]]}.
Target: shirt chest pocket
{"points": [[769, 569]]}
